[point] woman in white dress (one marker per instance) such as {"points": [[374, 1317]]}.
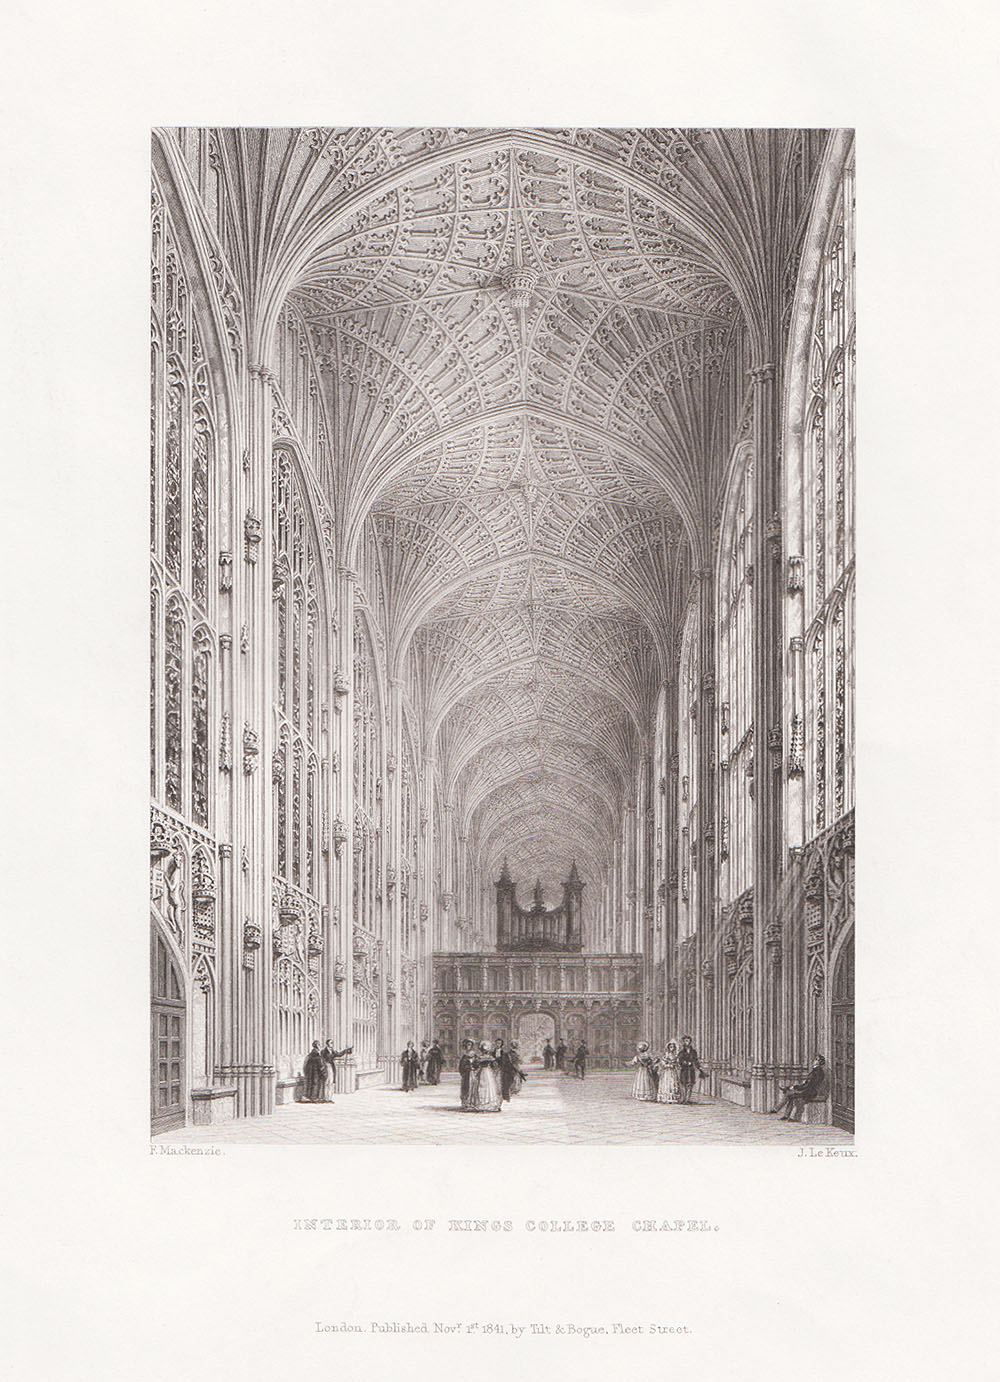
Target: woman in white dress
{"points": [[644, 1084], [484, 1092], [668, 1091]]}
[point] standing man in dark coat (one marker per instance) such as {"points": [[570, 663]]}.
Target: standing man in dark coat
{"points": [[315, 1073], [435, 1060], [508, 1071], [465, 1070], [561, 1056], [410, 1061], [548, 1054], [688, 1066], [331, 1056], [580, 1060]]}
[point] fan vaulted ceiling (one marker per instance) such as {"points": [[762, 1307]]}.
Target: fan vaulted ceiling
{"points": [[524, 338]]}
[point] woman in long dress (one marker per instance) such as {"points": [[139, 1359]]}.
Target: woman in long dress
{"points": [[668, 1091], [484, 1092], [410, 1061], [644, 1084]]}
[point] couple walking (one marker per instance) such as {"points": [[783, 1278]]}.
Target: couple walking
{"points": [[669, 1079], [489, 1076]]}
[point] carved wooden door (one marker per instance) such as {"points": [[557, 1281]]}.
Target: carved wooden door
{"points": [[533, 1031], [167, 1023], [842, 1035]]}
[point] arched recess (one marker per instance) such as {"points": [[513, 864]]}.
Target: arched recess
{"points": [[215, 294], [496, 1025], [534, 1029], [168, 1057], [202, 1023]]}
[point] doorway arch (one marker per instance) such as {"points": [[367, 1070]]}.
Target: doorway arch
{"points": [[533, 1031], [167, 1036]]}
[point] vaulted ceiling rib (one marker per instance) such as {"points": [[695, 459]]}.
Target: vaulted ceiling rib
{"points": [[525, 341]]}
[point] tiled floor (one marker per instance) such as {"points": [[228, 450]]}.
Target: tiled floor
{"points": [[549, 1109]]}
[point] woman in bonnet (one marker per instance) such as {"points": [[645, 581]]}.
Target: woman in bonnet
{"points": [[644, 1084]]}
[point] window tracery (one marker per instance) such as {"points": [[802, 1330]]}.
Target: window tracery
{"points": [[827, 485]]}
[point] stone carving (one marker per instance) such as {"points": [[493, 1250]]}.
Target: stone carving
{"points": [[167, 876], [251, 943], [251, 749], [253, 533], [225, 744]]}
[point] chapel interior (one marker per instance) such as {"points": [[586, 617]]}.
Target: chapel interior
{"points": [[502, 604]]}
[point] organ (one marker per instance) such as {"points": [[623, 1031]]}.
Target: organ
{"points": [[538, 927]]}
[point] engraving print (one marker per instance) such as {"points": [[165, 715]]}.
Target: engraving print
{"points": [[502, 636]]}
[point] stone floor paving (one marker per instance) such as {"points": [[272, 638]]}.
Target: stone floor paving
{"points": [[550, 1109]]}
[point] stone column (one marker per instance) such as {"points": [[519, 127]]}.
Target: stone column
{"points": [[448, 873], [248, 978], [705, 847], [768, 735], [392, 816], [341, 958]]}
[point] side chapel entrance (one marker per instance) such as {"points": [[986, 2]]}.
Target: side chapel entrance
{"points": [[167, 1023], [533, 1031]]}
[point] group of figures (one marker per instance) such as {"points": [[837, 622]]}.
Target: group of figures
{"points": [[319, 1073], [490, 1075], [669, 1078], [554, 1058], [423, 1066]]}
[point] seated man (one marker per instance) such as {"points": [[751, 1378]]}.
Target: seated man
{"points": [[807, 1091]]}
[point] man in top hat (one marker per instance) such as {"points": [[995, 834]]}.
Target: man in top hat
{"points": [[315, 1075], [509, 1070], [465, 1061], [688, 1066], [807, 1091], [331, 1056]]}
